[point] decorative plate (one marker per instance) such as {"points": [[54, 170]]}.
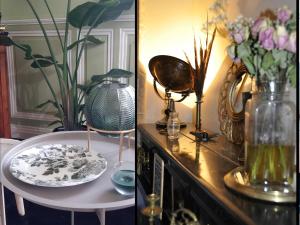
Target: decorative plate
{"points": [[57, 165]]}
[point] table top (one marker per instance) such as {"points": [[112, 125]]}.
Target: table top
{"points": [[206, 163], [97, 194], [6, 144]]}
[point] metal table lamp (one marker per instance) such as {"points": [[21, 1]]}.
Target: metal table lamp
{"points": [[175, 76]]}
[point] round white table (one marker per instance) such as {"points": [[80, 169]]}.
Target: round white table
{"points": [[96, 196]]}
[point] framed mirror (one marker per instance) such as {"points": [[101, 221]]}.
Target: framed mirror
{"points": [[232, 99]]}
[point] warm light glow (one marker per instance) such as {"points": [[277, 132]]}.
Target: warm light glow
{"points": [[165, 30]]}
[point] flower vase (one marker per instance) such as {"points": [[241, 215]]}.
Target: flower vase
{"points": [[270, 136]]}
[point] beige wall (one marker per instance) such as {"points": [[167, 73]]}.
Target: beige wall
{"points": [[171, 32]]}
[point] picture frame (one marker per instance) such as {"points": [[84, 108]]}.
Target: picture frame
{"points": [[158, 178]]}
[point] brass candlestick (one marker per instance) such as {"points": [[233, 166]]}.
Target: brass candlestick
{"points": [[152, 210]]}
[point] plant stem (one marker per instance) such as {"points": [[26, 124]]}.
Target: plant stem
{"points": [[65, 51], [78, 57], [55, 25], [70, 109], [58, 34], [60, 81], [271, 161], [283, 162]]}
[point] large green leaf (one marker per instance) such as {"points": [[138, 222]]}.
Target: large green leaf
{"points": [[248, 63], [77, 17], [93, 14], [267, 61], [243, 50], [114, 73], [86, 13], [40, 60], [89, 38], [41, 63], [114, 12]]}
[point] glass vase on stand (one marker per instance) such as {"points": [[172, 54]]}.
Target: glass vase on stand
{"points": [[270, 120]]}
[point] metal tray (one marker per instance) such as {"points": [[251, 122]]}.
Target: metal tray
{"points": [[237, 180]]}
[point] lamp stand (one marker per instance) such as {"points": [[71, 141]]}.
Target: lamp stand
{"points": [[200, 134]]}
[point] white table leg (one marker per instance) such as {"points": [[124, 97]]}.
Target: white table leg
{"points": [[121, 146], [2, 206], [72, 218], [20, 205], [101, 216], [129, 136]]}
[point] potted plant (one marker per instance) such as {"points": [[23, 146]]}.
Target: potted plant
{"points": [[69, 101]]}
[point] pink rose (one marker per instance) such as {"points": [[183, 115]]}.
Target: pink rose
{"points": [[240, 34], [291, 45], [284, 14], [238, 38], [266, 38], [259, 24], [281, 37]]}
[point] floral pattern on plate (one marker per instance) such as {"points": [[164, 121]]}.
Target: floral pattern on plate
{"points": [[57, 165]]}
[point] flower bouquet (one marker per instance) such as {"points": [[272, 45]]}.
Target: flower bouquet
{"points": [[267, 47]]}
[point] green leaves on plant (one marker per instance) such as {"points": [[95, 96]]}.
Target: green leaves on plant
{"points": [[257, 61], [114, 73], [42, 61], [292, 74], [280, 58], [92, 13], [39, 60], [89, 39], [109, 3], [78, 17], [267, 61], [48, 102], [249, 65], [115, 12], [243, 50], [98, 79]]}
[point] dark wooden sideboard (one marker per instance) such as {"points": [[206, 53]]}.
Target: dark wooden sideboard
{"points": [[193, 179]]}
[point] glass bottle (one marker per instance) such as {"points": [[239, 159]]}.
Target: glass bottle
{"points": [[270, 136], [173, 126]]}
